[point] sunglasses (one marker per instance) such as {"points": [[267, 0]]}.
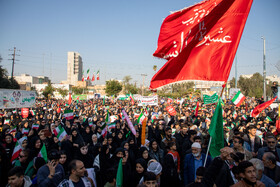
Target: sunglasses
{"points": [[21, 156], [271, 142]]}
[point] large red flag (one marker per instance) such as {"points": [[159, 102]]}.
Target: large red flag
{"points": [[70, 98], [196, 109], [258, 109], [200, 41]]}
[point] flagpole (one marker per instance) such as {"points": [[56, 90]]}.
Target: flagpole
{"points": [[210, 136], [207, 151]]}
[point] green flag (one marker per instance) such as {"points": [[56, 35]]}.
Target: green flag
{"points": [[119, 179], [107, 119], [216, 131], [104, 100], [43, 153], [268, 118], [210, 99]]}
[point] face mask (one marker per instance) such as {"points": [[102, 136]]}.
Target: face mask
{"points": [[196, 154]]}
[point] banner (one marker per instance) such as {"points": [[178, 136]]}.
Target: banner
{"points": [[79, 97], [24, 112], [148, 100], [210, 99], [171, 110], [16, 98]]}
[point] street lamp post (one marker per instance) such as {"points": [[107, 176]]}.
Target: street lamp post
{"points": [[264, 71]]}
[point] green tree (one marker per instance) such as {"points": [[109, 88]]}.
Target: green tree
{"points": [[62, 92], [14, 84], [132, 89], [78, 90], [113, 87], [253, 86], [126, 83], [48, 91], [154, 67], [5, 82]]}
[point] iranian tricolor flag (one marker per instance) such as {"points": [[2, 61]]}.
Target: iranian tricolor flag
{"points": [[234, 115], [111, 126], [93, 78], [207, 119], [14, 129], [88, 74], [121, 115], [6, 121], [238, 99], [180, 101], [33, 112], [43, 153], [68, 114], [131, 99], [104, 130], [141, 118], [16, 151], [14, 111], [83, 78], [61, 133], [113, 118], [97, 75], [90, 124], [35, 126], [169, 100], [136, 115], [244, 117], [25, 131]]}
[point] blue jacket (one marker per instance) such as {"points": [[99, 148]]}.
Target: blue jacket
{"points": [[43, 173], [267, 181], [189, 167]]}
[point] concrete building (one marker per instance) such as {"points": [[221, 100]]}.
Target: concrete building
{"points": [[40, 88], [74, 68], [26, 78]]}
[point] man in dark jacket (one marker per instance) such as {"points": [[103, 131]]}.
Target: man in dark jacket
{"points": [[180, 138], [271, 169], [52, 173], [253, 140], [271, 147]]}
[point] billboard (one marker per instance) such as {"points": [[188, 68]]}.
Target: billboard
{"points": [[17, 98]]}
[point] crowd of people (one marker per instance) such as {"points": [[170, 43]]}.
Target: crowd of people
{"points": [[172, 152]]}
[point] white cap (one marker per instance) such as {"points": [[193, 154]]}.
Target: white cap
{"points": [[196, 145]]}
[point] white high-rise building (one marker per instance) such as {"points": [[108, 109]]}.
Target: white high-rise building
{"points": [[74, 68]]}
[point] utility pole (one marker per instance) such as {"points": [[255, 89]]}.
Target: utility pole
{"points": [[143, 76], [264, 71], [13, 59], [236, 71]]}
